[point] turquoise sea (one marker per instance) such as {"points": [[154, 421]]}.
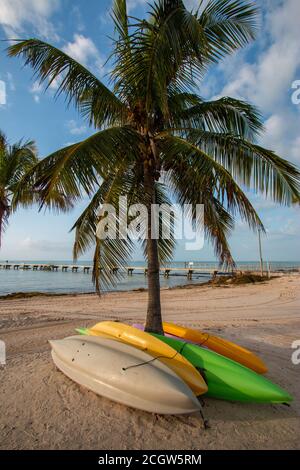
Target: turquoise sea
{"points": [[80, 282]]}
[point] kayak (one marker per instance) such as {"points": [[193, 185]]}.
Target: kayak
{"points": [[111, 369], [227, 379], [141, 327], [224, 347], [156, 348]]}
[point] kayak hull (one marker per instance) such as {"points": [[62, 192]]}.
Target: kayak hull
{"points": [[219, 345], [141, 327], [226, 379], [110, 369], [153, 346]]}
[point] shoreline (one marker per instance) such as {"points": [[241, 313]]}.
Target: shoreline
{"points": [[219, 282], [41, 408]]}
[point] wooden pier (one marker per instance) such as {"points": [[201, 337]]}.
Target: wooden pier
{"points": [[166, 271], [86, 269]]}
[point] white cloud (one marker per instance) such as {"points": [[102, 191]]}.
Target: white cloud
{"points": [[243, 86], [17, 16], [282, 134], [80, 26], [290, 227], [81, 49], [6, 84], [267, 81], [53, 86], [75, 129], [132, 4], [84, 51], [36, 89], [2, 93], [10, 81]]}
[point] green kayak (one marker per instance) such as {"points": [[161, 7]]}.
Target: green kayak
{"points": [[227, 379]]}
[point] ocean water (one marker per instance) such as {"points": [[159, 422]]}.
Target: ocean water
{"points": [[72, 282]]}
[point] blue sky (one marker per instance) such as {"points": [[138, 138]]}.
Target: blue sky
{"points": [[263, 74]]}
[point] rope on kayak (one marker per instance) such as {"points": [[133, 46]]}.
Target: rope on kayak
{"points": [[155, 358], [150, 360], [204, 420], [206, 339]]}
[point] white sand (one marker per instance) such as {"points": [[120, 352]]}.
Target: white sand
{"points": [[41, 408]]}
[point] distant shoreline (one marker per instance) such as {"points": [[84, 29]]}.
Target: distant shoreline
{"points": [[221, 282], [81, 262], [60, 279]]}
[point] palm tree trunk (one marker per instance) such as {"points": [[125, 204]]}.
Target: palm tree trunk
{"points": [[154, 320]]}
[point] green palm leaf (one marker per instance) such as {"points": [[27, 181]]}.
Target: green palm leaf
{"points": [[15, 162], [200, 170], [228, 25], [251, 164], [78, 84], [225, 115]]}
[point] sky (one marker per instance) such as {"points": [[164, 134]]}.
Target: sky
{"points": [[263, 73]]}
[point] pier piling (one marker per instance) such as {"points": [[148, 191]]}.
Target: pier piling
{"points": [[166, 271]]}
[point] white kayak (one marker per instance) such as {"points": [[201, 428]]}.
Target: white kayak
{"points": [[117, 371]]}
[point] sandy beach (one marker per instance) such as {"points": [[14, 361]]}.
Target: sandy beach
{"points": [[40, 408]]}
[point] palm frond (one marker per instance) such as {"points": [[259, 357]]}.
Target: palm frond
{"points": [[251, 165], [78, 84], [225, 115], [3, 141], [228, 25], [4, 215], [21, 157], [15, 161], [218, 222], [169, 46], [207, 177], [108, 253], [120, 19], [76, 169]]}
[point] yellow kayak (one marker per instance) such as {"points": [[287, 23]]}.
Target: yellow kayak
{"points": [[219, 345], [156, 348]]}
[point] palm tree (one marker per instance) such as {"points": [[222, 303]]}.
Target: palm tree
{"points": [[155, 137], [15, 161]]}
